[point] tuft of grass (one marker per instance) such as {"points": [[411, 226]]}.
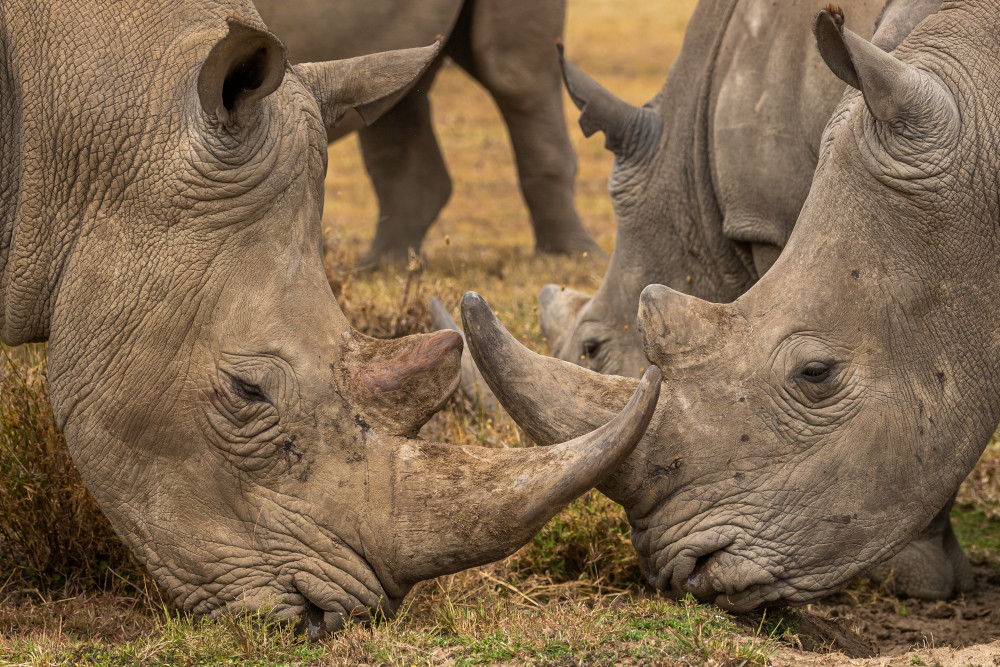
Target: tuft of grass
{"points": [[587, 542], [52, 534], [976, 514]]}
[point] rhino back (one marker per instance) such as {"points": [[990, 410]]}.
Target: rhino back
{"points": [[770, 100], [315, 30]]}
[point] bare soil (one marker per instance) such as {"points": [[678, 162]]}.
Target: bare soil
{"points": [[864, 628]]}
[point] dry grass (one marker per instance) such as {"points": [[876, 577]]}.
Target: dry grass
{"points": [[52, 536]]}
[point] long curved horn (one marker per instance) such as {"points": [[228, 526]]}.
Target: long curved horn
{"points": [[472, 383], [458, 507], [551, 399]]}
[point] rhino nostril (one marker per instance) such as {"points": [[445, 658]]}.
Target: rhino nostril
{"points": [[312, 620], [698, 583]]}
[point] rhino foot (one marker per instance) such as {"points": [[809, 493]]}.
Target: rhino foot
{"points": [[933, 566], [375, 258], [572, 244]]}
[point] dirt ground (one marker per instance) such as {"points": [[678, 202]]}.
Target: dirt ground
{"points": [[860, 623]]}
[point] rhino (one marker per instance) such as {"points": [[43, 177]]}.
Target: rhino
{"points": [[161, 191], [508, 47], [811, 428], [708, 211]]}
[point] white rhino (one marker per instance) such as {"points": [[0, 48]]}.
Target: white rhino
{"points": [[813, 427], [709, 178], [508, 47], [161, 189]]}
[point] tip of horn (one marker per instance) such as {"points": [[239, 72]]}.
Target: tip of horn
{"points": [[476, 313], [627, 428], [642, 405]]}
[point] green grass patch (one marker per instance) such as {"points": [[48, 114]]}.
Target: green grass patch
{"points": [[978, 530]]}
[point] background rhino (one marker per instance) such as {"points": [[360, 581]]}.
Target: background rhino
{"points": [[814, 426], [161, 188], [508, 48]]}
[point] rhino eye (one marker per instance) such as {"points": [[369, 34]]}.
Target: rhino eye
{"points": [[591, 347], [249, 391], [816, 372]]}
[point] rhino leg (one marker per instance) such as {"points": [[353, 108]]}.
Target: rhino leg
{"points": [[409, 174], [510, 48], [932, 566]]}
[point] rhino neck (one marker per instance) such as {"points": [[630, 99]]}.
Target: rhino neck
{"points": [[54, 153], [24, 250]]}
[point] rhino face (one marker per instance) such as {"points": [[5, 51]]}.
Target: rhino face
{"points": [[810, 429], [580, 329], [245, 442]]}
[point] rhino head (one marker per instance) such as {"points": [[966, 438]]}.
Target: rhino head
{"points": [[244, 441], [810, 429]]}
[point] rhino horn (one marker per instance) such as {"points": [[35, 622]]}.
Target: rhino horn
{"points": [[895, 92], [402, 383], [626, 128], [450, 499], [245, 66], [472, 383], [673, 323], [549, 398], [368, 85], [558, 309]]}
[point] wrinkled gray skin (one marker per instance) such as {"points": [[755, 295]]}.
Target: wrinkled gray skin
{"points": [[508, 48], [707, 211], [161, 189], [810, 429]]}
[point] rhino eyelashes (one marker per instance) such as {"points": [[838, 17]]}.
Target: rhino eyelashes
{"points": [[816, 372], [591, 347], [249, 391]]}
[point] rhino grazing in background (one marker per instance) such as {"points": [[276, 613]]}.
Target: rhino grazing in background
{"points": [[709, 176], [508, 48], [811, 428], [161, 189]]}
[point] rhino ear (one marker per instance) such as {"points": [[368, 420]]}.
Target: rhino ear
{"points": [[899, 18], [369, 85], [625, 127], [245, 66], [895, 92]]}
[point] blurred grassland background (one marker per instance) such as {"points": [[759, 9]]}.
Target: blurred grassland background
{"points": [[70, 593]]}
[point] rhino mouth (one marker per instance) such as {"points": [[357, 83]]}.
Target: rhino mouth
{"points": [[327, 607], [727, 567]]}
